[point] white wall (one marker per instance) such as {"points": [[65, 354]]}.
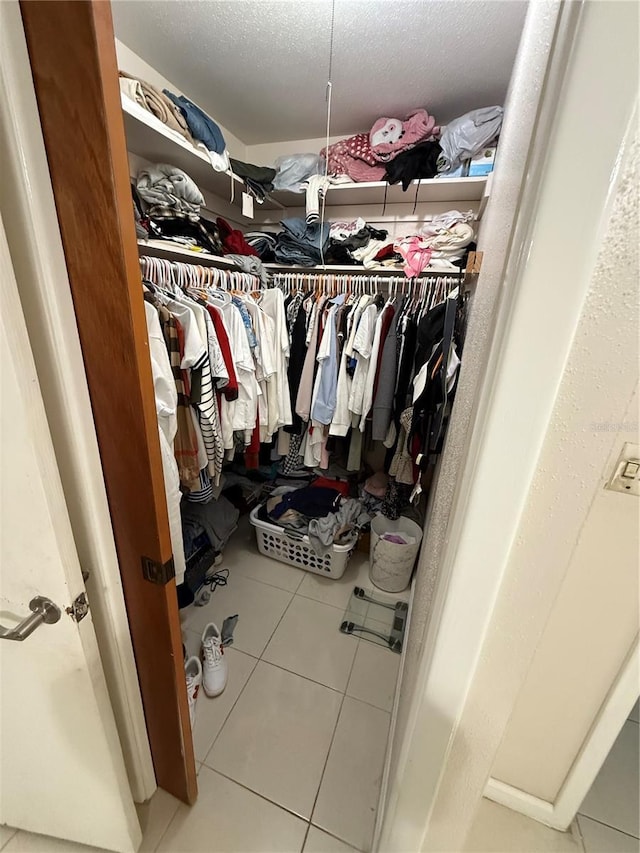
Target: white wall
{"points": [[491, 614], [136, 66], [591, 534]]}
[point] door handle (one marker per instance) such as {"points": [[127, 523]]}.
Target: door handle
{"points": [[42, 610]]}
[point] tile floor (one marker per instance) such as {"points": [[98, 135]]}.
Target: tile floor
{"points": [[298, 737], [609, 818], [290, 756]]}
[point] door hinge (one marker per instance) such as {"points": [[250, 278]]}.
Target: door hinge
{"points": [[79, 608], [160, 573]]}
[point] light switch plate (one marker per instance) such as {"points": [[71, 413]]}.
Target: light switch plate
{"points": [[626, 474]]}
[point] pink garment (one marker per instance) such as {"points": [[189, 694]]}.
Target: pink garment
{"points": [[415, 253], [390, 136], [360, 156], [353, 157]]}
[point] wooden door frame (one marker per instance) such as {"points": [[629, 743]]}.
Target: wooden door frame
{"points": [[75, 74]]}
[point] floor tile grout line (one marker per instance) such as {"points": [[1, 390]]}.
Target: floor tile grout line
{"points": [[258, 794], [167, 827], [226, 719], [242, 689], [265, 582], [284, 613], [306, 835], [258, 660], [333, 737], [11, 836], [608, 825], [333, 835]]}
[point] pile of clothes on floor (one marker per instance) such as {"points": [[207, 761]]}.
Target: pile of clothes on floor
{"points": [[441, 244], [206, 529], [324, 514]]}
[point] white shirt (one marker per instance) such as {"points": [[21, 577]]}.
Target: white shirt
{"points": [[272, 303], [362, 345]]}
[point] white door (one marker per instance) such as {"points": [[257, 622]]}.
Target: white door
{"points": [[62, 772]]}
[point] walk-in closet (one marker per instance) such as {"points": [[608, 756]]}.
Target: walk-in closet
{"points": [[273, 233]]}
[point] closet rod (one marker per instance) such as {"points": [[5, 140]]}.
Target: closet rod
{"points": [[162, 270], [363, 283]]}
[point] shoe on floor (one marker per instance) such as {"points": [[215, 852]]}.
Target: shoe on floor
{"points": [[193, 674], [214, 665]]}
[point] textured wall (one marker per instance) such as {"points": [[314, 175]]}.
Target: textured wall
{"points": [[570, 517], [521, 114]]}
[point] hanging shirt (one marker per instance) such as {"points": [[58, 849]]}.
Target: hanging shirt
{"points": [[324, 397], [166, 409], [381, 329], [238, 415], [362, 346], [272, 303], [341, 421], [305, 391]]}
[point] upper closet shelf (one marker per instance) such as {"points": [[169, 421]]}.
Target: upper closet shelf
{"points": [[430, 190], [148, 137]]}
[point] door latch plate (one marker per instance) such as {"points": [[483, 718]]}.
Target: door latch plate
{"points": [[79, 608]]}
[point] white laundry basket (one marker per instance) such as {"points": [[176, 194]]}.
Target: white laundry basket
{"points": [[274, 542], [391, 563]]}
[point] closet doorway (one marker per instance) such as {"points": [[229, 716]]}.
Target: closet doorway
{"points": [[94, 210]]}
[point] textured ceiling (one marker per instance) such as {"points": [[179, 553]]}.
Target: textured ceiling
{"points": [[260, 66]]}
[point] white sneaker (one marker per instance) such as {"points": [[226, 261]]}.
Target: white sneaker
{"points": [[193, 673], [214, 666]]}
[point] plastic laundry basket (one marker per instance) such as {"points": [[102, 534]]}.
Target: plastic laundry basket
{"points": [[391, 563], [274, 542]]}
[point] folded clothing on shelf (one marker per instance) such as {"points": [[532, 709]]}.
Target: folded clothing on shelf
{"points": [[363, 157], [264, 243], [301, 243], [169, 191], [155, 102], [202, 127], [292, 170], [233, 240]]}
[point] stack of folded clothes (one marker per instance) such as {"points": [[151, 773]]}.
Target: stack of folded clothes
{"points": [[301, 243], [264, 243], [321, 513], [167, 207]]}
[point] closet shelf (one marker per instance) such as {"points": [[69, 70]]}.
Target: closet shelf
{"points": [[160, 249], [430, 190], [148, 137]]}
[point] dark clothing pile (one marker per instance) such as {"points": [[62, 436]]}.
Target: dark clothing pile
{"points": [[418, 162], [340, 250], [300, 243], [258, 179], [264, 243]]}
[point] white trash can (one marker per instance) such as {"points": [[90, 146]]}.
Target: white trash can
{"points": [[391, 563]]}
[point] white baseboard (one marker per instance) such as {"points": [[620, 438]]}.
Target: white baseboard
{"points": [[589, 760], [520, 801]]}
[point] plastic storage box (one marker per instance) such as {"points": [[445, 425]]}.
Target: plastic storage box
{"points": [[274, 542]]}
